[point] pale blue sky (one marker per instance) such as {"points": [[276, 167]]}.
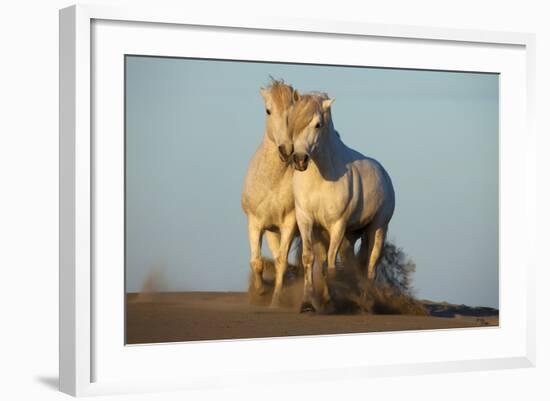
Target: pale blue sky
{"points": [[193, 125]]}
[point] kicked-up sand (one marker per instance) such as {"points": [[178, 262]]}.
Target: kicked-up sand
{"points": [[192, 316]]}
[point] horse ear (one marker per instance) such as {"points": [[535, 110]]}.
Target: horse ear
{"points": [[263, 92], [296, 96], [327, 103]]}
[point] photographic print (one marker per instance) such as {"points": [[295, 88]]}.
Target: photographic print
{"points": [[269, 199]]}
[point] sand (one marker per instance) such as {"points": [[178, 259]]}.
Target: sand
{"points": [[193, 316]]}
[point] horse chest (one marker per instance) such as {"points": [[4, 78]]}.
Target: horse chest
{"points": [[272, 202], [325, 206]]}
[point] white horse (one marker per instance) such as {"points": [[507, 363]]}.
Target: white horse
{"points": [[337, 190], [267, 198]]}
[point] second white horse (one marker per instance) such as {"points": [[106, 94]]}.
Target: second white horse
{"points": [[336, 189]]}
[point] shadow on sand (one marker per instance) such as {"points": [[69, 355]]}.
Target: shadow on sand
{"points": [[444, 309]]}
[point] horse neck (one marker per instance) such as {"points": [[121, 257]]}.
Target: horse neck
{"points": [[269, 157], [330, 152]]}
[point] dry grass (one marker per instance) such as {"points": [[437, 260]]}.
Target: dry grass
{"points": [[386, 300]]}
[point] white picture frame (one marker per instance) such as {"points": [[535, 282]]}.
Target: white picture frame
{"points": [[82, 344]]}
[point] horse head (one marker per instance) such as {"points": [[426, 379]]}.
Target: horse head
{"points": [[309, 125], [278, 98]]}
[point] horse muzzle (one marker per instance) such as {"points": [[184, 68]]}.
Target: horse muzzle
{"points": [[300, 161], [285, 151]]}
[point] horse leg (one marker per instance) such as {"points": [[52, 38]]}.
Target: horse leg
{"points": [[320, 247], [376, 239], [363, 254], [336, 233], [349, 260], [273, 243], [288, 232], [306, 227], [256, 263]]}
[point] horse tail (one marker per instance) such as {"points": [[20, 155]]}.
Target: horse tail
{"points": [[298, 250]]}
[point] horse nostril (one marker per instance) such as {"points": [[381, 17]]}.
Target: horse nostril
{"points": [[286, 150], [300, 161]]}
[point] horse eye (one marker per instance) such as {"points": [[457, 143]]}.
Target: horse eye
{"points": [[318, 125], [268, 111]]}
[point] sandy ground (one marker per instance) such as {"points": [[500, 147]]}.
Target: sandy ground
{"points": [[191, 316]]}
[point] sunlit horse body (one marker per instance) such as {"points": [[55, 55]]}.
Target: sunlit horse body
{"points": [[267, 198], [337, 190]]}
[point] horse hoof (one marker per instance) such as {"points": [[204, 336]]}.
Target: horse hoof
{"points": [[306, 307], [328, 296]]}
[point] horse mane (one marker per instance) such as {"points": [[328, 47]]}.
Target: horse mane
{"points": [[304, 109], [281, 93], [321, 95]]}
